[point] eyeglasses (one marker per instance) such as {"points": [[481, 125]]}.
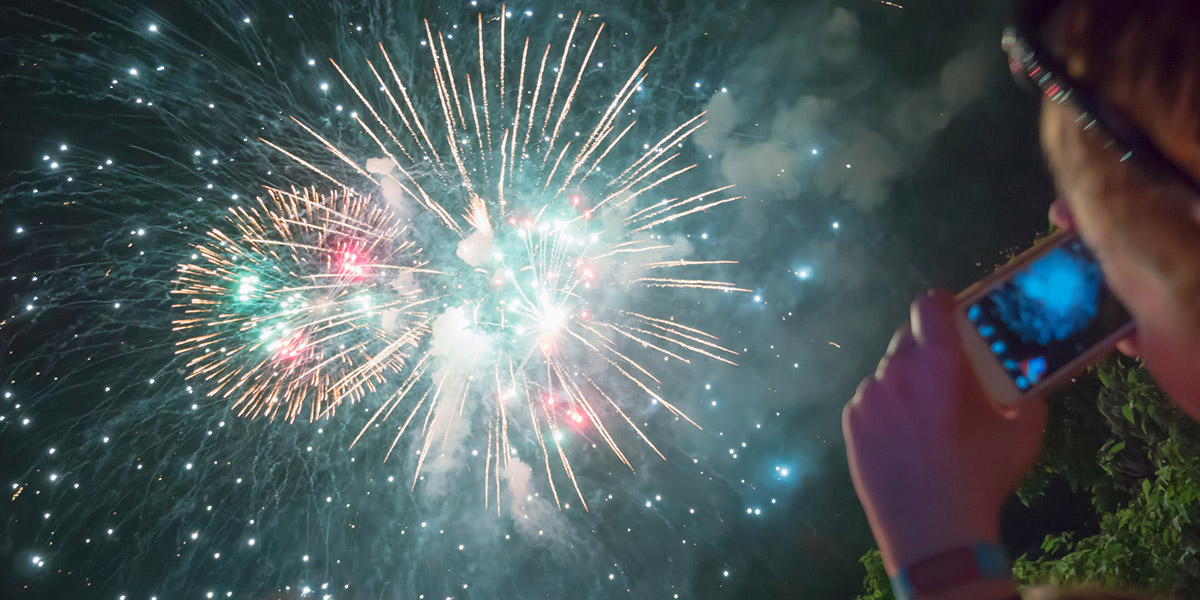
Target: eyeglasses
{"points": [[1036, 68]]}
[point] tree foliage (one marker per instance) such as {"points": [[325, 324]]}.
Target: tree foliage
{"points": [[876, 585], [1138, 457], [1113, 437]]}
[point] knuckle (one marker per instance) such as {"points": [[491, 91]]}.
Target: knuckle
{"points": [[848, 417], [897, 366], [865, 390], [881, 369], [919, 301]]}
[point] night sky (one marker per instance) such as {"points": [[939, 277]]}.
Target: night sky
{"points": [[881, 149]]}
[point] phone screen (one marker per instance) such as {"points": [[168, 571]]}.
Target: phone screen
{"points": [[1047, 313]]}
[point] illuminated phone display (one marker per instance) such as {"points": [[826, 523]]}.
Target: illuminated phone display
{"points": [[1047, 313]]}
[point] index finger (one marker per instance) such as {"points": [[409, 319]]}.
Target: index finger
{"points": [[933, 318]]}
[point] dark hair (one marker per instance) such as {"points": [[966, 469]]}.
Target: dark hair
{"points": [[1134, 53]]}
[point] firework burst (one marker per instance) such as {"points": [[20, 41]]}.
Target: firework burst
{"points": [[310, 301], [552, 242]]}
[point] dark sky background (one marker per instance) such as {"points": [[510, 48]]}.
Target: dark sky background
{"points": [[882, 150]]}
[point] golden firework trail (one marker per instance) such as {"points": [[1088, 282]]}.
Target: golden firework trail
{"points": [[307, 301], [552, 231]]}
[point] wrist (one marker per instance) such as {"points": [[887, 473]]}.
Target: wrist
{"points": [[921, 539]]}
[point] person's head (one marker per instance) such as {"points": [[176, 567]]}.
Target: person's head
{"points": [[1140, 64]]}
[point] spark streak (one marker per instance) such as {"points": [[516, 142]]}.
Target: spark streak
{"points": [[555, 246], [311, 301]]}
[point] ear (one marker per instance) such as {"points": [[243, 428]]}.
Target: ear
{"points": [[1061, 215]]}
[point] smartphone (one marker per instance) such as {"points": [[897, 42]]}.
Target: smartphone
{"points": [[1040, 319]]}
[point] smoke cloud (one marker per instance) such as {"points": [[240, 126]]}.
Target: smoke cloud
{"points": [[850, 136], [477, 248]]}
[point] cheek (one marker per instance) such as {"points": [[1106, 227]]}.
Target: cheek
{"points": [[1175, 362], [1169, 345], [1144, 294]]}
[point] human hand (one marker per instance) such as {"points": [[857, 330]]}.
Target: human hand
{"points": [[932, 457]]}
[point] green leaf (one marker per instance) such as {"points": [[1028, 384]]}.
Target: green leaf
{"points": [[1146, 487], [1127, 410]]}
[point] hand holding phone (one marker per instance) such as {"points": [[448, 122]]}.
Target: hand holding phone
{"points": [[921, 439], [1040, 319]]}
